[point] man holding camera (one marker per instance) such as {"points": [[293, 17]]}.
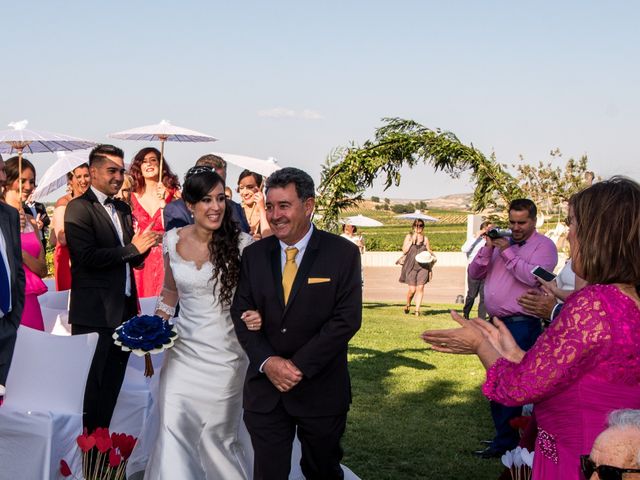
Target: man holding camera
{"points": [[505, 264]]}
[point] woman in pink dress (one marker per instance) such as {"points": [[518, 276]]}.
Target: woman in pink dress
{"points": [[586, 363], [148, 199], [78, 181], [33, 255]]}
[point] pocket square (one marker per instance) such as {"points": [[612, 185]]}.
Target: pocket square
{"points": [[312, 280]]}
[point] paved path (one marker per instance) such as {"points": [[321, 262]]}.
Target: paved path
{"points": [[381, 284]]}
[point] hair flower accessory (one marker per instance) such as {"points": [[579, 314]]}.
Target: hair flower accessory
{"points": [[145, 334]]}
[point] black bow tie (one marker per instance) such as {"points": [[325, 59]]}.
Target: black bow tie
{"points": [[520, 244], [110, 201]]}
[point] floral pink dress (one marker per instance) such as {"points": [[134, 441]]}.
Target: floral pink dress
{"points": [[34, 286], [585, 365]]}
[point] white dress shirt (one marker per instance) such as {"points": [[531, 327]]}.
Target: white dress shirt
{"points": [[111, 211], [301, 245], [5, 259]]}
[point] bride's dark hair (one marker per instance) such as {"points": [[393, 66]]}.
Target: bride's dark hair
{"points": [[224, 252]]}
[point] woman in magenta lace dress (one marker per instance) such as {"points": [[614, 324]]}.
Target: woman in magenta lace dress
{"points": [[586, 364], [33, 255], [147, 201]]}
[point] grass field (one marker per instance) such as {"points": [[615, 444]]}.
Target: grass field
{"points": [[416, 414]]}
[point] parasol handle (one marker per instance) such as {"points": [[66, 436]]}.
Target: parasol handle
{"points": [[162, 140], [20, 175]]}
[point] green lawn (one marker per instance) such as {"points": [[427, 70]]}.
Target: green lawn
{"points": [[416, 414]]}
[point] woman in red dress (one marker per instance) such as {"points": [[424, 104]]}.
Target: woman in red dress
{"points": [[78, 181], [147, 201]]}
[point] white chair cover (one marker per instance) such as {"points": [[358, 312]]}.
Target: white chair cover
{"points": [[56, 321], [148, 305], [42, 413], [50, 283], [55, 300]]}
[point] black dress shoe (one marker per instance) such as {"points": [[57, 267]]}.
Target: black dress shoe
{"points": [[486, 442], [489, 452]]}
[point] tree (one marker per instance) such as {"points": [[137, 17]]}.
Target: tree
{"points": [[549, 186], [375, 199]]}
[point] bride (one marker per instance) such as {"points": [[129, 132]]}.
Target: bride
{"points": [[200, 392]]}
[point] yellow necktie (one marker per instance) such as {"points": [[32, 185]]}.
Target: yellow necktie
{"points": [[289, 273]]}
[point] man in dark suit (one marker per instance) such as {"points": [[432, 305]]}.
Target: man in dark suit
{"points": [[177, 215], [103, 249], [306, 284], [11, 282]]}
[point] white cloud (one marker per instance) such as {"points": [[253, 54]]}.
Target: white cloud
{"points": [[283, 112]]}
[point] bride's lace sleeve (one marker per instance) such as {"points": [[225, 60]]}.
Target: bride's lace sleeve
{"points": [[168, 298], [572, 345]]}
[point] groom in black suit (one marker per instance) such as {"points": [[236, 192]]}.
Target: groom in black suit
{"points": [[103, 250], [11, 283], [306, 284]]}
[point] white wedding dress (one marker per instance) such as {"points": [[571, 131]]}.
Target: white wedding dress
{"points": [[200, 392]]}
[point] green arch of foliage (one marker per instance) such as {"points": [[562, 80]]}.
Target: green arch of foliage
{"points": [[349, 171]]}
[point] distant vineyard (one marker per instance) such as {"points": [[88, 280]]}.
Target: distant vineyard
{"points": [[446, 235]]}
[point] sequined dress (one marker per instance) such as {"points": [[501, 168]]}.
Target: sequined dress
{"points": [[585, 365]]}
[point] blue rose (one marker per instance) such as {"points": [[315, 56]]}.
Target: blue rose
{"points": [[145, 332]]}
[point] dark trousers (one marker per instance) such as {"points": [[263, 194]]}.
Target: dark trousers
{"points": [[105, 375], [8, 333], [272, 437], [474, 288], [525, 331]]}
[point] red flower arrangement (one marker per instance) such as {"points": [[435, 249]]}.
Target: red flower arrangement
{"points": [[104, 455]]}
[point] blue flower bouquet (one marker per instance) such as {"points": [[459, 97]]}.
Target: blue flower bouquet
{"points": [[144, 335]]}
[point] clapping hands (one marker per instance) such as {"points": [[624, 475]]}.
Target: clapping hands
{"points": [[146, 239]]}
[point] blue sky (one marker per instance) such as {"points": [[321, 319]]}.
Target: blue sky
{"points": [[293, 80]]}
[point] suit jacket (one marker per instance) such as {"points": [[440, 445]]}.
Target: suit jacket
{"points": [[176, 214], [98, 262], [10, 226], [313, 330]]}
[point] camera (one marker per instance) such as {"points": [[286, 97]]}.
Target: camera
{"points": [[499, 233]]}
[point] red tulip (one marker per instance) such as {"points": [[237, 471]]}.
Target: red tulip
{"points": [[126, 445], [114, 459], [103, 444], [65, 471], [86, 442], [101, 432]]}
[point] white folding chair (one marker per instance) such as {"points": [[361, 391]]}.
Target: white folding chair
{"points": [[56, 321], [42, 412], [55, 300], [148, 305], [50, 283]]}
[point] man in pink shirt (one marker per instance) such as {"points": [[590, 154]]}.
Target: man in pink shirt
{"points": [[505, 264]]}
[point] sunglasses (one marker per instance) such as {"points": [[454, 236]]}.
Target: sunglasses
{"points": [[605, 472]]}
